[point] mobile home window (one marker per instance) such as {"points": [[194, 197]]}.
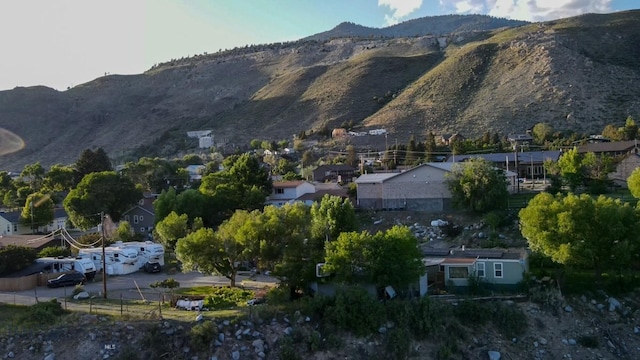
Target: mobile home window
{"points": [[497, 270], [458, 272], [142, 229], [140, 218], [15, 227], [135, 219], [480, 269]]}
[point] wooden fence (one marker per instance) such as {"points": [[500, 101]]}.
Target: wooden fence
{"points": [[28, 282]]}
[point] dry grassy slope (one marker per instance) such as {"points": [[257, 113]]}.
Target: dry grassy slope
{"points": [[579, 73]]}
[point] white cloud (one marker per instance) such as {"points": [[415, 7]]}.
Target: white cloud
{"points": [[400, 9], [531, 10]]}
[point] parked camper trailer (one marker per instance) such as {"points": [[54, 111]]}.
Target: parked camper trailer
{"points": [[64, 264], [119, 260], [148, 251]]}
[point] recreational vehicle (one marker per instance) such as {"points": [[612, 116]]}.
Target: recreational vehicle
{"points": [[148, 251], [118, 260], [64, 264]]}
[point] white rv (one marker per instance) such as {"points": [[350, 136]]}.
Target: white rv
{"points": [[119, 260], [148, 251], [63, 264]]}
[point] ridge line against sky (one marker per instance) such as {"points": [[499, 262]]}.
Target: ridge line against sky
{"points": [[64, 43]]}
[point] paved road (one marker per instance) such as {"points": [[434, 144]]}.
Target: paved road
{"points": [[133, 286]]}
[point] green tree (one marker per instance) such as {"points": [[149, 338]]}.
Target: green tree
{"points": [[99, 192], [92, 161], [255, 144], [430, 146], [243, 184], [15, 258], [33, 174], [571, 168], [542, 132], [219, 252], [612, 133], [630, 129], [332, 216], [59, 178], [54, 251], [169, 284], [125, 232], [386, 258], [633, 182], [599, 233], [352, 158], [172, 228], [37, 211], [477, 185]]}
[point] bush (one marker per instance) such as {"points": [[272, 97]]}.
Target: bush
{"points": [[357, 311], [54, 251], [472, 312], [287, 349], [398, 343], [15, 258], [202, 335], [226, 297], [509, 320], [429, 317], [278, 295], [43, 313]]}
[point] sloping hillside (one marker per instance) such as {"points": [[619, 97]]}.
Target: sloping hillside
{"points": [[577, 74]]}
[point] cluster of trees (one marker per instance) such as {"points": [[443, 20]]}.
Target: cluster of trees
{"points": [[291, 240]]}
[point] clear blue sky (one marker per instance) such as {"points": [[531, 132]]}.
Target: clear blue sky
{"points": [[61, 43]]}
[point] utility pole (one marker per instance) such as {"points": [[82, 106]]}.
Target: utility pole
{"points": [[104, 259]]}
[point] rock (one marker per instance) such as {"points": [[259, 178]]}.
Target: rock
{"points": [[47, 348], [572, 341], [568, 308], [583, 299], [261, 355], [235, 355], [564, 341], [221, 337], [51, 356], [226, 323], [600, 307], [535, 344], [81, 295], [543, 341], [258, 345], [494, 355], [614, 304], [238, 332], [636, 330], [307, 319], [199, 318], [288, 330], [92, 336], [382, 330], [186, 350], [10, 355], [213, 357]]}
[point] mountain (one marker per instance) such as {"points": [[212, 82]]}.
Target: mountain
{"points": [[577, 74], [430, 25]]}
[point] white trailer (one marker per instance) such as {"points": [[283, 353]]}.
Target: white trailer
{"points": [[64, 264], [148, 251], [118, 260]]}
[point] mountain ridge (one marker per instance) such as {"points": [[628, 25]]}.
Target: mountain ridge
{"points": [[577, 74]]}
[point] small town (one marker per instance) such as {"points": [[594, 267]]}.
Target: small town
{"points": [[438, 218]]}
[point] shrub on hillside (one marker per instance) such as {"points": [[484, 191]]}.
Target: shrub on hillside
{"points": [[357, 311]]}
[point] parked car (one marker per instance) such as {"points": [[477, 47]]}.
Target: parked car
{"points": [[67, 279], [152, 267]]}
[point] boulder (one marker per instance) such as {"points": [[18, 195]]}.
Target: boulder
{"points": [[81, 295], [614, 304], [494, 355]]}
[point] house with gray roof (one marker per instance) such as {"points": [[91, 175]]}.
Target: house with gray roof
{"points": [[496, 268], [422, 188]]}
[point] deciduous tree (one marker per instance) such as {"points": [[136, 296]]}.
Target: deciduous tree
{"points": [[600, 233], [99, 192], [477, 185], [37, 211]]}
